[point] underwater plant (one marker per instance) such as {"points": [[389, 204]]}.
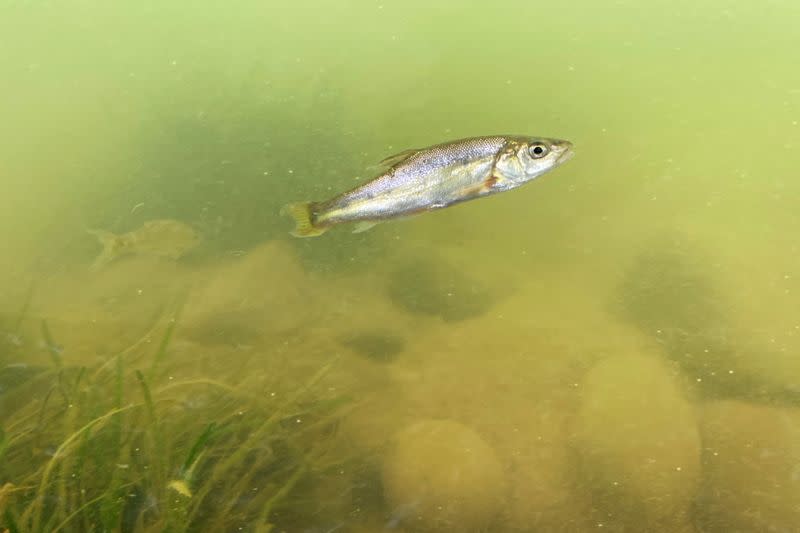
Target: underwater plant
{"points": [[120, 446]]}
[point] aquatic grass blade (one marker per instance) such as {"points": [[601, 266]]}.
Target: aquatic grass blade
{"points": [[52, 348], [10, 522], [3, 442], [36, 508], [24, 311], [148, 399], [279, 496], [158, 443], [223, 468], [76, 512], [199, 444], [167, 338]]}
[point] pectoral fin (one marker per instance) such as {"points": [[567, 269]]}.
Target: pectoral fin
{"points": [[480, 188]]}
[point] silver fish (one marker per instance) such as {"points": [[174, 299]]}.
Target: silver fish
{"points": [[162, 238], [439, 176]]}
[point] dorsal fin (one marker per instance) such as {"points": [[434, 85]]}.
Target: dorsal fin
{"points": [[399, 157], [395, 159]]}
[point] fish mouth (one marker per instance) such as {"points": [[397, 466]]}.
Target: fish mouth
{"points": [[566, 155]]}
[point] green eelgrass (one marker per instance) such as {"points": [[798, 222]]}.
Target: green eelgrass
{"points": [[223, 468], [3, 442], [10, 522], [35, 511], [109, 448], [23, 313], [194, 453], [262, 523], [78, 511], [167, 337], [52, 348]]}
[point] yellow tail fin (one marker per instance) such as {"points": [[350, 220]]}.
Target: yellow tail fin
{"points": [[303, 220], [111, 247]]}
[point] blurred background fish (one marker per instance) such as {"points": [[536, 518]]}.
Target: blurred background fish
{"points": [[166, 238]]}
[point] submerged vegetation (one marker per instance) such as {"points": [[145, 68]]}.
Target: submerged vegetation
{"points": [[120, 447]]}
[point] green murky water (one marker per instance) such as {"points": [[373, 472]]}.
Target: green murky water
{"points": [[615, 347]]}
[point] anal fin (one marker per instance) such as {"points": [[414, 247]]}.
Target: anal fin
{"points": [[366, 225]]}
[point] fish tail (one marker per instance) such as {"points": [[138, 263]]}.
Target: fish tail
{"points": [[109, 253], [305, 222]]}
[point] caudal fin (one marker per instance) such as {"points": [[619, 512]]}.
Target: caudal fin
{"points": [[109, 253], [303, 219]]}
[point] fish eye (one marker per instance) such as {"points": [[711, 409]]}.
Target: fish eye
{"points": [[537, 150]]}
